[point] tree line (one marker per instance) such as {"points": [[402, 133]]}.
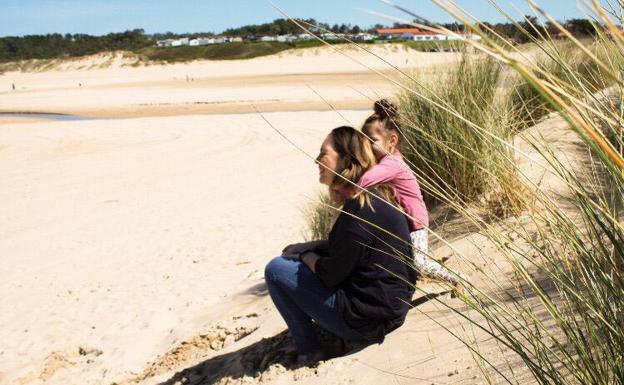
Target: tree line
{"points": [[14, 48], [55, 45]]}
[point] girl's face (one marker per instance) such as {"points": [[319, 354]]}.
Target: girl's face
{"points": [[384, 142], [328, 160]]}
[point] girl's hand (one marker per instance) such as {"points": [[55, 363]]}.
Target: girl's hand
{"points": [[300, 248], [336, 196], [295, 248], [310, 258]]}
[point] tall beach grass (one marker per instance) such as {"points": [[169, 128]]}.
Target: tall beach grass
{"points": [[458, 128], [560, 311], [558, 307]]}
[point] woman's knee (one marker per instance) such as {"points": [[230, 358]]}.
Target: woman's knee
{"points": [[275, 268]]}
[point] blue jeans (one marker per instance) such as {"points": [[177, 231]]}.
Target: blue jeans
{"points": [[301, 297]]}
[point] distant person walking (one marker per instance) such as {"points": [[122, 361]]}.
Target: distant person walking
{"points": [[13, 86]]}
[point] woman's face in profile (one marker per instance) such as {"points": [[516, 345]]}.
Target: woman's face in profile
{"points": [[328, 161]]}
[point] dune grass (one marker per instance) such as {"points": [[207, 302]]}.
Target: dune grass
{"points": [[435, 46], [229, 51], [458, 131], [557, 63], [225, 51], [558, 309], [319, 214]]}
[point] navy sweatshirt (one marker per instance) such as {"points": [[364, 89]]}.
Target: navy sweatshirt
{"points": [[370, 268]]}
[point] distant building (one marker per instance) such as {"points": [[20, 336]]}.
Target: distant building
{"points": [[180, 42], [441, 37], [397, 33], [364, 36], [197, 41], [286, 38], [201, 41], [268, 38], [165, 43], [305, 36], [329, 36], [418, 34]]}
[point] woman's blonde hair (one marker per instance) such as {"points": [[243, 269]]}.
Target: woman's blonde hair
{"points": [[355, 153], [356, 157]]}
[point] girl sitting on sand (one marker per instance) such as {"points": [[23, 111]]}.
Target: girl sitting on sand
{"points": [[383, 129]]}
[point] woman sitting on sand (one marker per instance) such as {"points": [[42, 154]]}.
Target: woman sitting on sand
{"points": [[357, 284]]}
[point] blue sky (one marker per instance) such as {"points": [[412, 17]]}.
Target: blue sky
{"points": [[97, 17]]}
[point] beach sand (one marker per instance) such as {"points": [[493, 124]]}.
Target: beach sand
{"points": [[299, 80], [133, 245]]}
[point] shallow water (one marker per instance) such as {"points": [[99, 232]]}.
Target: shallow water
{"points": [[37, 115]]}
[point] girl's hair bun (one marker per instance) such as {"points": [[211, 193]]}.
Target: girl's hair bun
{"points": [[384, 107]]}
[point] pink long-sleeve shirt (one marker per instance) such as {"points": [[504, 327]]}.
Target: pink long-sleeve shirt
{"points": [[393, 170]]}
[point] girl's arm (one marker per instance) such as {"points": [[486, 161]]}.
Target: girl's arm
{"points": [[383, 172]]}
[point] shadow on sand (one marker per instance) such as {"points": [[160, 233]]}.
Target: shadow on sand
{"points": [[254, 360]]}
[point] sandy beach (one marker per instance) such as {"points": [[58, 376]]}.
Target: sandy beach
{"points": [[133, 243], [296, 80]]}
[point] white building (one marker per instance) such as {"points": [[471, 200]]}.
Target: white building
{"points": [[219, 39], [364, 36], [441, 37], [268, 38], [164, 43], [286, 38], [180, 42]]}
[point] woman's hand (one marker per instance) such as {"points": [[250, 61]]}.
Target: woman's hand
{"points": [[310, 258], [300, 248]]}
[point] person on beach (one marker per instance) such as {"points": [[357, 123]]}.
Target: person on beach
{"points": [[382, 127], [358, 283]]}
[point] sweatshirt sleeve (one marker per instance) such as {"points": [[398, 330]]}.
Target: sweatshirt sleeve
{"points": [[383, 172], [350, 245]]}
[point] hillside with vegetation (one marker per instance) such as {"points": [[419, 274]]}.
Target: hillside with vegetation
{"points": [[136, 41]]}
